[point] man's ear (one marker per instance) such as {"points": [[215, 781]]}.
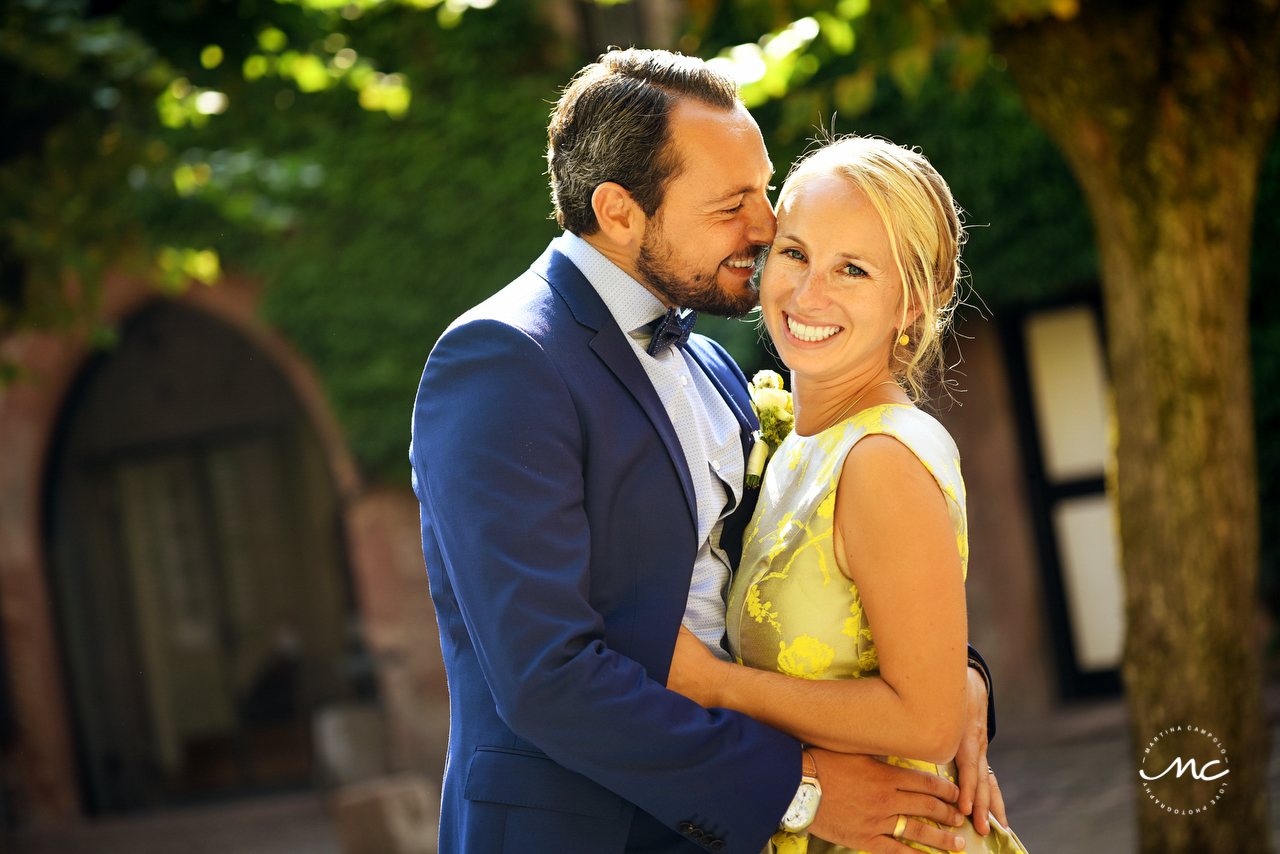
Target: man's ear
{"points": [[621, 220]]}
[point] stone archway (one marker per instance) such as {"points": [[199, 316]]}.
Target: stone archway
{"points": [[41, 765], [196, 565]]}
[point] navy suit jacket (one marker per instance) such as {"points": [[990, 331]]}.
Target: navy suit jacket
{"points": [[559, 533]]}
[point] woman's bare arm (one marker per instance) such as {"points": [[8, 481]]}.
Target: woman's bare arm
{"points": [[900, 550]]}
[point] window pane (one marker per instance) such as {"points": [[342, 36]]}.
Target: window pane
{"points": [[1090, 552], [1068, 384]]}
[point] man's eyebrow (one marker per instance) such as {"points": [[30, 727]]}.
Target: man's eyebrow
{"points": [[741, 191]]}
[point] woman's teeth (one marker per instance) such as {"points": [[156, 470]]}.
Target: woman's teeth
{"points": [[811, 333]]}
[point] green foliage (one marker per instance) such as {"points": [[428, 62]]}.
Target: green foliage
{"points": [[373, 233], [71, 130], [172, 139], [87, 103], [831, 53], [416, 221]]}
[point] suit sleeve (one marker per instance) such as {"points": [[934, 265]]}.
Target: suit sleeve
{"points": [[498, 464]]}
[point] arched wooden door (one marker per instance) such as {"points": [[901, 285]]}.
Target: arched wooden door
{"points": [[198, 568]]}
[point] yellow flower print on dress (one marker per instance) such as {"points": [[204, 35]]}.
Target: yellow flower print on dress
{"points": [[869, 661], [760, 610], [827, 508], [855, 625], [830, 461], [795, 456], [789, 843], [807, 657], [915, 765], [829, 439]]}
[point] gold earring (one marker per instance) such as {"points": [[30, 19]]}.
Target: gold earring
{"points": [[904, 340]]}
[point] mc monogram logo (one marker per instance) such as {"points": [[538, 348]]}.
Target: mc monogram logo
{"points": [[1198, 762], [1190, 765]]}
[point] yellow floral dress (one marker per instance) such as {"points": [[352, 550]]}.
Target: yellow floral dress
{"points": [[792, 611]]}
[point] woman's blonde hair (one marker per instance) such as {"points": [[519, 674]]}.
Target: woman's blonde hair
{"points": [[925, 232]]}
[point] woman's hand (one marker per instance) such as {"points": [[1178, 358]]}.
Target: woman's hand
{"points": [[979, 792], [695, 672]]}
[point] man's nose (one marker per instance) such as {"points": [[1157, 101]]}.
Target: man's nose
{"points": [[763, 225]]}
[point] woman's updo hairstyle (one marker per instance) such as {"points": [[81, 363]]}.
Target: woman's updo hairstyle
{"points": [[925, 233]]}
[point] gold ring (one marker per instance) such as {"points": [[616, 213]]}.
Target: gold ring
{"points": [[900, 827]]}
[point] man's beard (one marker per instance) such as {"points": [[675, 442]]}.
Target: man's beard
{"points": [[700, 291]]}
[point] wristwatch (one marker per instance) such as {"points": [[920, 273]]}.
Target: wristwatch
{"points": [[804, 806]]}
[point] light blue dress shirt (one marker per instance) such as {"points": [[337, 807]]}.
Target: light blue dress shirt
{"points": [[706, 427]]}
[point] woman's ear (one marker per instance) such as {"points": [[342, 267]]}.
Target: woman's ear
{"points": [[911, 314], [621, 220]]}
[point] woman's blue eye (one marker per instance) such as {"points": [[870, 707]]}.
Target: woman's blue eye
{"points": [[854, 270], [793, 253]]}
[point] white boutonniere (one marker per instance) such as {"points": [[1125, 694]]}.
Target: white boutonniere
{"points": [[772, 405]]}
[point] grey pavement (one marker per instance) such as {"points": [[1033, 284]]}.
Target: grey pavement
{"points": [[281, 824], [1068, 781], [1070, 785]]}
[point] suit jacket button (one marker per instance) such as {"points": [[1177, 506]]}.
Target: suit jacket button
{"points": [[716, 845], [696, 834], [684, 827]]}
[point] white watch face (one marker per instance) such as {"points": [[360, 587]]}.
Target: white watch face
{"points": [[804, 806]]}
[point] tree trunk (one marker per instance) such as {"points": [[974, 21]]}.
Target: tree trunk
{"points": [[1164, 111]]}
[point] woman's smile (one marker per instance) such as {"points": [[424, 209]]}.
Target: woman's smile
{"points": [[808, 332]]}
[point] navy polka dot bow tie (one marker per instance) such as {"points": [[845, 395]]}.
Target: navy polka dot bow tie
{"points": [[671, 330]]}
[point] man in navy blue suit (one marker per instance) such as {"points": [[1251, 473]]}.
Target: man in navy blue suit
{"points": [[579, 458]]}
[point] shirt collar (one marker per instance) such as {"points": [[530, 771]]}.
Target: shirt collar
{"points": [[632, 305]]}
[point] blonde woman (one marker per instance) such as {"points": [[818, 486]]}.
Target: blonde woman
{"points": [[848, 608]]}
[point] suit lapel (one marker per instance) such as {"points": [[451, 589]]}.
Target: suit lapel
{"points": [[611, 345], [731, 388], [741, 408], [746, 419]]}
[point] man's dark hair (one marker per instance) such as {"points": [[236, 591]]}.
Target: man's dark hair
{"points": [[613, 124]]}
